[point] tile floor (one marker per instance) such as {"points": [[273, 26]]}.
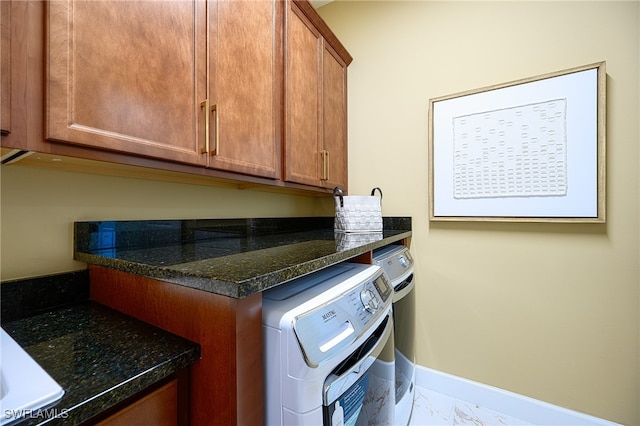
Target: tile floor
{"points": [[433, 408]]}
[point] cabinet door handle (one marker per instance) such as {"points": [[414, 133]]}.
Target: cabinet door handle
{"points": [[326, 175], [204, 105], [216, 143], [325, 164]]}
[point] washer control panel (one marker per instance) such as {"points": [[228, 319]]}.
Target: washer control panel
{"points": [[339, 322]]}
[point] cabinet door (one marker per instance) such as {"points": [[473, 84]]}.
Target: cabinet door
{"points": [[303, 88], [158, 408], [5, 75], [127, 76], [245, 86], [18, 59], [334, 133]]}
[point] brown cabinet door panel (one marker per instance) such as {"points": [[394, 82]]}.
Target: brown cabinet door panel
{"points": [[127, 76], [245, 86], [303, 140], [5, 62], [335, 118], [20, 31]]}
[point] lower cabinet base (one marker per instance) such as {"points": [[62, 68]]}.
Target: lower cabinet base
{"points": [[226, 384], [158, 408]]}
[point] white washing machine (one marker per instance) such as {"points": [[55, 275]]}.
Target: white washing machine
{"points": [[328, 348], [397, 263]]}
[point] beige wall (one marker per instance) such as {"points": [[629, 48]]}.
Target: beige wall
{"points": [[549, 311], [546, 310], [39, 207]]}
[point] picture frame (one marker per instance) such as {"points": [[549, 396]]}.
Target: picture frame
{"points": [[530, 150]]}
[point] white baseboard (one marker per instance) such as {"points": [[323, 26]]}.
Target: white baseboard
{"points": [[519, 406]]}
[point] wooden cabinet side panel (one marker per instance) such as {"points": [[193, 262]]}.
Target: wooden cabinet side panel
{"points": [[226, 384], [310, 12], [249, 371], [127, 76], [303, 137]]}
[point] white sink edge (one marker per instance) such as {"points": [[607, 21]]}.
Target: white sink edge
{"points": [[28, 386]]}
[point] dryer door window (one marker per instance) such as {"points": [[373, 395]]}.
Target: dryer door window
{"points": [[361, 390]]}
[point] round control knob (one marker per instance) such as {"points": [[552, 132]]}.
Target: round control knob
{"points": [[369, 300]]}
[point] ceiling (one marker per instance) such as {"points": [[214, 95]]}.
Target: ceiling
{"points": [[319, 3]]}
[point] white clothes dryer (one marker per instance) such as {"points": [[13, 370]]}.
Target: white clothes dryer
{"points": [[397, 262]]}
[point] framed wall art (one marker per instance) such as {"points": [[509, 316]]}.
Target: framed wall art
{"points": [[530, 150]]}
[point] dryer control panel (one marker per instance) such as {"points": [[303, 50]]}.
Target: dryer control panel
{"points": [[395, 260]]}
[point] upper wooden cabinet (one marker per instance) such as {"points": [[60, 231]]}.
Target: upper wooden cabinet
{"points": [[186, 81], [316, 101], [127, 76], [251, 92]]}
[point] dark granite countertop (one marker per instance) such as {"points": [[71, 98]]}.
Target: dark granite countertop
{"points": [[99, 356], [231, 257]]}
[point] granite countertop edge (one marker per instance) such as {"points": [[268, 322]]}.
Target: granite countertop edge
{"points": [[231, 286]]}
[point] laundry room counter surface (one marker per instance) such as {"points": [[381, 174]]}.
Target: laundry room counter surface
{"points": [[231, 257], [100, 358]]}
